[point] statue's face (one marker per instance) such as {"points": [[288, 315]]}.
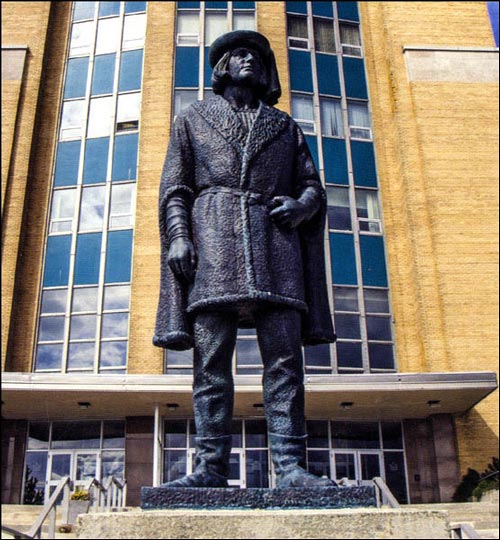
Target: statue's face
{"points": [[245, 66]]}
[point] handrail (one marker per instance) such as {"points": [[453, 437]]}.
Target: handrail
{"points": [[65, 484], [463, 530], [384, 495], [111, 494]]}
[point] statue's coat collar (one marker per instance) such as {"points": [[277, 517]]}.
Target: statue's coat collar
{"points": [[223, 118]]}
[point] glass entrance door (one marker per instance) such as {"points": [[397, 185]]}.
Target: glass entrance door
{"points": [[80, 465], [358, 466]]}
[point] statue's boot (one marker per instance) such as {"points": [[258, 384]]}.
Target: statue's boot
{"points": [[288, 454], [211, 464]]}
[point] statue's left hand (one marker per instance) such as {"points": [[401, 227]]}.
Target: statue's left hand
{"points": [[289, 212]]}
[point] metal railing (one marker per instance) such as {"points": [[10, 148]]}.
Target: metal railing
{"points": [[383, 494], [64, 486], [463, 530], [104, 497]]}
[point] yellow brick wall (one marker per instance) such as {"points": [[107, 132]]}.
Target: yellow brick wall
{"points": [[154, 134], [437, 145], [30, 171]]}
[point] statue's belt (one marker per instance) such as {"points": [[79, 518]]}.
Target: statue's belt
{"points": [[252, 197]]}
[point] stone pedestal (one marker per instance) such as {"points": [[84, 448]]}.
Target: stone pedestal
{"points": [[257, 498]]}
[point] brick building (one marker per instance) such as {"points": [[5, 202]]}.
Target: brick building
{"points": [[399, 104]]}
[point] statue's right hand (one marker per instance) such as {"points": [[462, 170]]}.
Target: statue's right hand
{"points": [[182, 258]]}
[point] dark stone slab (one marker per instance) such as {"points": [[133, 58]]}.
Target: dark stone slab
{"points": [[257, 498]]}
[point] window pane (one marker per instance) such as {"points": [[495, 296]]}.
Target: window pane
{"points": [[121, 213], [104, 74], [134, 30], [83, 10], [255, 434], [38, 436], [72, 119], [349, 354], [344, 466], [108, 34], [92, 208], [188, 28], [184, 98], [317, 355], [345, 299], [130, 71], [112, 464], [243, 21], [175, 434], [51, 329], [76, 435], [247, 352], [114, 434], [317, 431], [81, 355], [379, 328], [54, 301], [216, 25], [131, 7], [109, 8], [373, 261], [88, 259], [125, 157], [381, 356], [84, 299], [100, 117], [370, 466], [174, 465], [57, 261], [355, 435], [116, 297], [68, 157], [129, 106], [376, 301], [119, 256], [49, 357], [358, 114], [347, 326], [303, 112], [113, 353], [331, 118], [392, 435], [324, 37], [367, 208], [115, 325], [95, 168], [343, 259], [257, 469], [318, 463], [83, 327], [82, 35], [297, 27], [339, 212], [76, 77], [63, 208], [350, 39]]}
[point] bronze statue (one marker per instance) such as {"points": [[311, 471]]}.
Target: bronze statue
{"points": [[242, 216]]}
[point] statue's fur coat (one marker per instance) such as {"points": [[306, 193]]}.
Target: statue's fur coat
{"points": [[244, 258]]}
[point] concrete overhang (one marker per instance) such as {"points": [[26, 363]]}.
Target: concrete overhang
{"points": [[393, 396]]}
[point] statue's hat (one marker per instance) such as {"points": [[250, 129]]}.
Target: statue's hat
{"points": [[238, 38], [252, 40]]}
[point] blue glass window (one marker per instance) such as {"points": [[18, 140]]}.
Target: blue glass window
{"points": [[215, 5], [186, 67], [187, 5], [348, 11], [349, 354], [88, 258], [68, 156], [335, 159], [296, 7], [76, 77], [109, 8], [343, 259], [381, 355], [130, 71], [317, 356], [328, 74], [104, 74], [243, 5], [355, 81], [493, 13], [325, 9], [300, 70], [312, 143], [57, 261], [83, 10], [134, 7], [208, 70], [125, 157], [373, 261], [113, 353], [49, 357], [119, 256], [363, 164], [96, 160]]}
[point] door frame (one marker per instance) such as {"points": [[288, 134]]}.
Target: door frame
{"points": [[357, 453]]}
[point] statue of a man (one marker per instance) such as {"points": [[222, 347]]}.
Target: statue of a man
{"points": [[242, 214]]}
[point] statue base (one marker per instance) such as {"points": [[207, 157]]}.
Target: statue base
{"points": [[157, 498]]}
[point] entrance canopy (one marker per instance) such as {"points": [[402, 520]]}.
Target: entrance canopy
{"points": [[393, 396]]}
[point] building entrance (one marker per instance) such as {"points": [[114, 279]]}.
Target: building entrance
{"points": [[237, 476], [358, 466]]}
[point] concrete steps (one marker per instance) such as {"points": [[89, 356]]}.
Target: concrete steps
{"points": [[483, 516], [22, 516]]}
